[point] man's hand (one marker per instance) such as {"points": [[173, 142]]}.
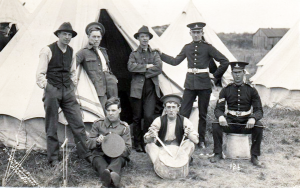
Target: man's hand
{"points": [[153, 132], [187, 131], [250, 123], [158, 50], [223, 121], [148, 66], [100, 139]]}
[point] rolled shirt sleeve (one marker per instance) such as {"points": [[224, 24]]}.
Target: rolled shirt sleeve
{"points": [[44, 59], [156, 124], [193, 135], [73, 73]]}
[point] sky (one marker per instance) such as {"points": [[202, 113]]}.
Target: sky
{"points": [[226, 15], [222, 15]]}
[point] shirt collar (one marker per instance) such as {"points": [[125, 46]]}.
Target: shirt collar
{"points": [[140, 49], [108, 124], [88, 46], [197, 42], [239, 85]]}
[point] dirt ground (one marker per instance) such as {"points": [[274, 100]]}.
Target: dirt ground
{"points": [[280, 154]]}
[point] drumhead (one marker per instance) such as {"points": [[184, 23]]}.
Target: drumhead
{"points": [[181, 159], [113, 145]]}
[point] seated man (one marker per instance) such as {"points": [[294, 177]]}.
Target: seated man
{"points": [[240, 97], [109, 168], [171, 128]]}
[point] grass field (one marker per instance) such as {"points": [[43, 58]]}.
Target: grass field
{"points": [[280, 154]]}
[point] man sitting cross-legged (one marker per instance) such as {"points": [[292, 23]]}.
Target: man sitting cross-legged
{"points": [[171, 128]]}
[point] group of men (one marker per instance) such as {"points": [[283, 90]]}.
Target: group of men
{"points": [[56, 75]]}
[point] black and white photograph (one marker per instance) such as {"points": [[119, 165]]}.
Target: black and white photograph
{"points": [[150, 93]]}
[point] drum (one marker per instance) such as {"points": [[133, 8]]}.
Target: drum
{"points": [[113, 145], [168, 167]]}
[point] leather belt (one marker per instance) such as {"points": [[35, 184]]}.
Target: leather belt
{"points": [[239, 113], [196, 71]]}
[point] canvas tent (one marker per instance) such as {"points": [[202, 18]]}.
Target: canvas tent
{"points": [[20, 98], [13, 11], [278, 80], [177, 35]]}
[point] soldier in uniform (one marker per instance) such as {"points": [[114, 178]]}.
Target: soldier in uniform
{"points": [[145, 65], [109, 169], [171, 128], [240, 97], [4, 38], [56, 74], [199, 54], [95, 62]]}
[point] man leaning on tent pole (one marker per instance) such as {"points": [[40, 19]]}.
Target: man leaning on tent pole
{"points": [[94, 60], [56, 75], [198, 82]]}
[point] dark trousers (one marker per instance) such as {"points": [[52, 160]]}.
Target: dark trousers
{"points": [[143, 108], [188, 99], [100, 163], [111, 85], [66, 100], [256, 135]]}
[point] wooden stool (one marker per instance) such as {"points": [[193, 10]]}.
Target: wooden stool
{"points": [[237, 146]]}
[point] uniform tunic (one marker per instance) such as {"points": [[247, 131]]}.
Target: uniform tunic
{"points": [[199, 55], [96, 64], [239, 98]]}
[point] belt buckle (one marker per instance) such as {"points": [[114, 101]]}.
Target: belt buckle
{"points": [[195, 70], [238, 113]]}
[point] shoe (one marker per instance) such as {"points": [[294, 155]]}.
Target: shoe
{"points": [[139, 148], [201, 145], [191, 161], [115, 179], [54, 163], [216, 158], [89, 159], [255, 161], [106, 178]]}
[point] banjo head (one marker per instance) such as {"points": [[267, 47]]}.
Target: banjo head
{"points": [[113, 145], [181, 159]]}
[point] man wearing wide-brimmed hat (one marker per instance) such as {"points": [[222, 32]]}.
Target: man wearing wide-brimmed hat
{"points": [[145, 66], [94, 60], [199, 55], [244, 107], [170, 129], [56, 75], [4, 38]]}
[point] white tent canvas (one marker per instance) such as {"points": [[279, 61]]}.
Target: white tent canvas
{"points": [[13, 11], [277, 81], [177, 35], [21, 99]]}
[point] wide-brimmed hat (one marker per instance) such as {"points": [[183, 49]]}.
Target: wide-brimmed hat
{"points": [[67, 27], [143, 29], [95, 26]]}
